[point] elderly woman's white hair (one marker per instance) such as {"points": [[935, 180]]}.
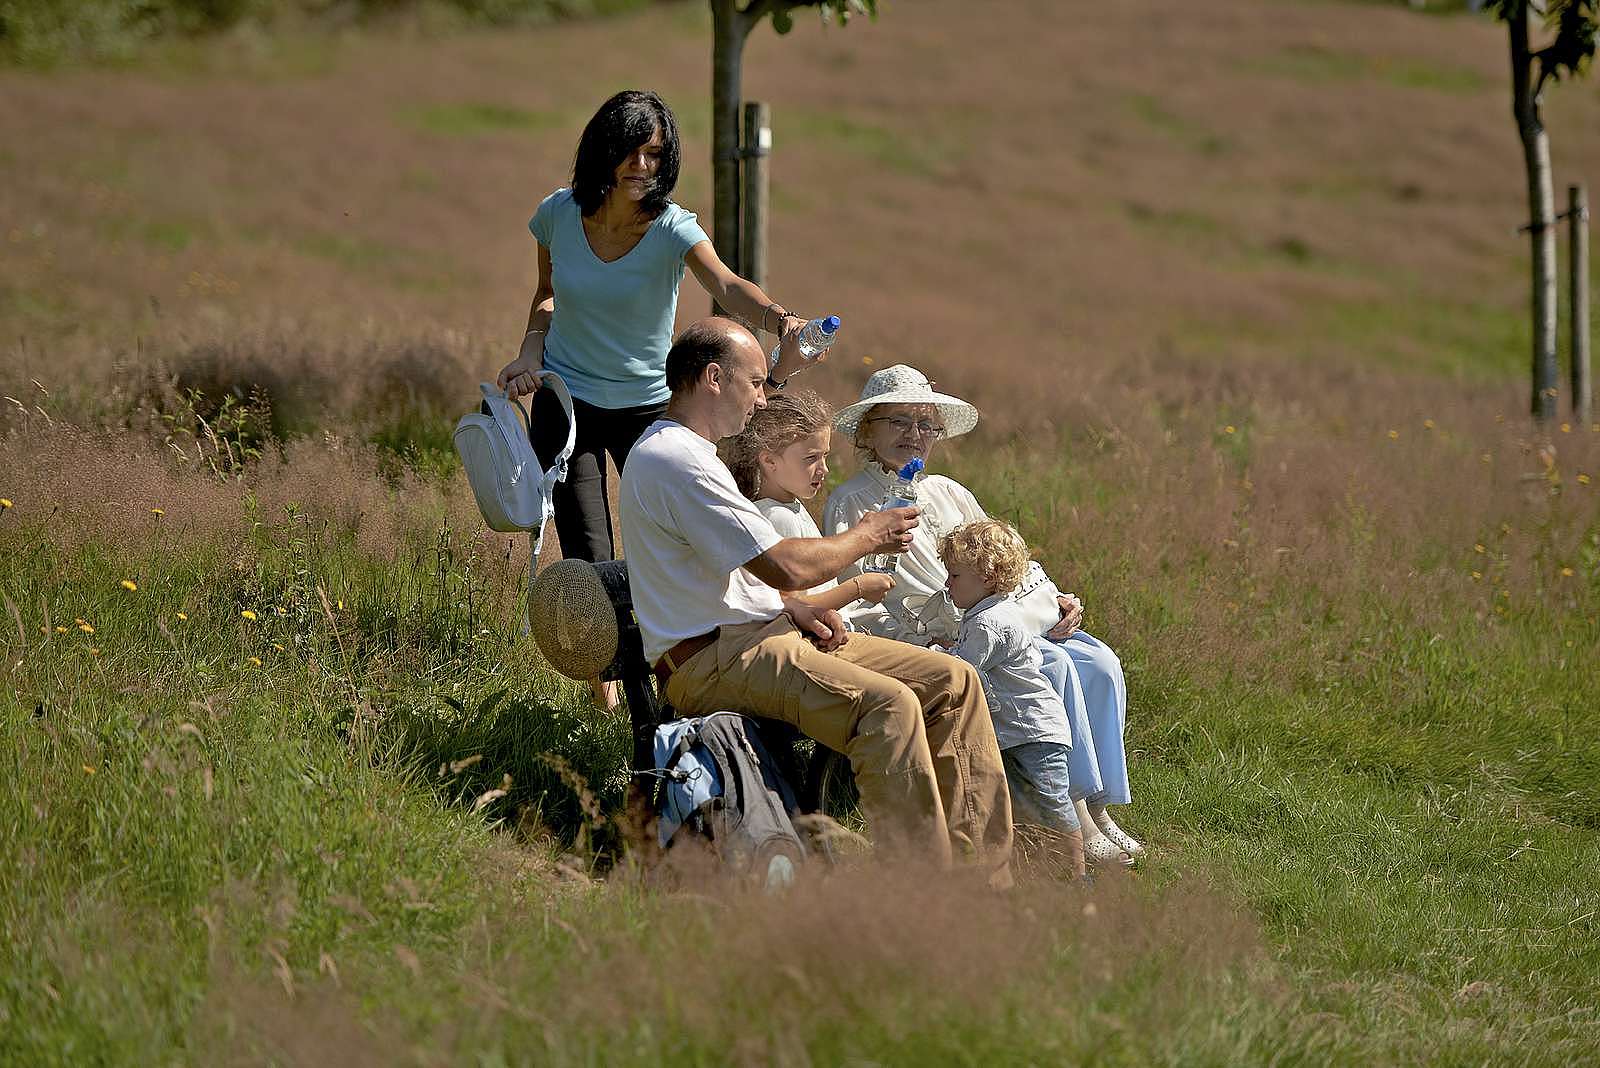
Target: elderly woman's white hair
{"points": [[904, 384]]}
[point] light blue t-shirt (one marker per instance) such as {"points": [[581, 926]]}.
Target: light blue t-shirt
{"points": [[613, 321]]}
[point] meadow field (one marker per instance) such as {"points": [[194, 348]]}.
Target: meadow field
{"points": [[1238, 291]]}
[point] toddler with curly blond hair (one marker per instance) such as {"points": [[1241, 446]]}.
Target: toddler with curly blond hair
{"points": [[985, 561]]}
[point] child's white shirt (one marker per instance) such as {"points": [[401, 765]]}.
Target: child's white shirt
{"points": [[995, 639], [793, 521]]}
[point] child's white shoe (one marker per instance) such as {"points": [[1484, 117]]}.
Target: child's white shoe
{"points": [[1119, 837], [1098, 850]]}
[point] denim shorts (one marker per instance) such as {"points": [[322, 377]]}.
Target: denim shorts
{"points": [[1040, 792]]}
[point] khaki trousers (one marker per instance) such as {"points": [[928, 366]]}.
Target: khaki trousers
{"points": [[913, 723]]}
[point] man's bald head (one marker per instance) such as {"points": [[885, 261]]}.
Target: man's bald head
{"points": [[710, 341]]}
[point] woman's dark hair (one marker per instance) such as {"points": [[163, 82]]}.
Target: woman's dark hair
{"points": [[622, 124]]}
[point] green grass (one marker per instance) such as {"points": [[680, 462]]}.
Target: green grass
{"points": [[1379, 843], [1154, 113], [169, 235], [374, 258], [1404, 327], [1222, 244], [479, 118], [170, 35], [1319, 65], [890, 145]]}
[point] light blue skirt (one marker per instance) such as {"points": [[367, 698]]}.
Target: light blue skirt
{"points": [[1088, 676]]}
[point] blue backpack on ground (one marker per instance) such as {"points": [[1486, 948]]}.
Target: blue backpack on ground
{"points": [[719, 783]]}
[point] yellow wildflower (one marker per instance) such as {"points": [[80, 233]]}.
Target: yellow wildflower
{"points": [[866, 359], [183, 615], [157, 512], [1227, 430], [1486, 458], [1583, 479], [1566, 572], [88, 769], [278, 646], [60, 629], [94, 650], [1476, 575], [341, 605], [1478, 548], [1566, 428], [129, 584], [282, 611], [1427, 424], [1506, 594], [86, 628], [248, 614], [255, 661], [1394, 435], [5, 502]]}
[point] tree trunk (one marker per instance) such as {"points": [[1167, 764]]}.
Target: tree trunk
{"points": [[729, 30], [1541, 212]]}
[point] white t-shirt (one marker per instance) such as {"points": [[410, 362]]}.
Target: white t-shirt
{"points": [[793, 521], [689, 532]]}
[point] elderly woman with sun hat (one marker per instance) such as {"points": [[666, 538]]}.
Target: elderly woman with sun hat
{"points": [[901, 417]]}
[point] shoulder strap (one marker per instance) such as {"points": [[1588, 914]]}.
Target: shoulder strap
{"points": [[558, 468]]}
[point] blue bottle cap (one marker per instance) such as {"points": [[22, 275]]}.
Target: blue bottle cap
{"points": [[830, 325], [912, 469]]}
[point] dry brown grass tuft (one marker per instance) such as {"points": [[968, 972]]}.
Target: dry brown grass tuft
{"points": [[82, 486], [762, 977]]}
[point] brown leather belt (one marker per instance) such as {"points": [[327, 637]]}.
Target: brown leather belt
{"points": [[679, 654]]}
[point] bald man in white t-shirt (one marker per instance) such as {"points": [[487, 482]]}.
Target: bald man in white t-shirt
{"points": [[706, 568]]}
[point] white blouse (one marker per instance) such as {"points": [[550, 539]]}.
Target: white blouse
{"points": [[945, 505]]}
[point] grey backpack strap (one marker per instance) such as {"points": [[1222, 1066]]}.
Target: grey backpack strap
{"points": [[752, 824]]}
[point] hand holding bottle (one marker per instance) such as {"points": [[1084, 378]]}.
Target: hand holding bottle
{"points": [[802, 343], [890, 530]]}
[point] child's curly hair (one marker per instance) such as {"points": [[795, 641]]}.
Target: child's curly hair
{"points": [[788, 417], [993, 547]]}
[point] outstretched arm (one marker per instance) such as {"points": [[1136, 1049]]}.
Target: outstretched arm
{"points": [[869, 588], [800, 563], [748, 301]]}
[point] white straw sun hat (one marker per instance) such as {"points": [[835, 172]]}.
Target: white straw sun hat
{"points": [[904, 384]]}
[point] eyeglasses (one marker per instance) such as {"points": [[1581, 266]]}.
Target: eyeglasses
{"points": [[903, 426]]}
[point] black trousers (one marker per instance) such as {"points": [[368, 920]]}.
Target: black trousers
{"points": [[582, 503]]}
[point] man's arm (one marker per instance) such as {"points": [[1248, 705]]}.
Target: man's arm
{"points": [[800, 563]]}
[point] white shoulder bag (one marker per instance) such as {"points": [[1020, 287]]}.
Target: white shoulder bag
{"points": [[496, 448]]}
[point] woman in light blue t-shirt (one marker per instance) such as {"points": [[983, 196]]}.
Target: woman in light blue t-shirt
{"points": [[612, 251]]}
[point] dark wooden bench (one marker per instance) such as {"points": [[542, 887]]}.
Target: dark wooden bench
{"points": [[821, 778]]}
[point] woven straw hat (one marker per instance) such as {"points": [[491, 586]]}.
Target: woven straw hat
{"points": [[904, 384], [572, 619]]}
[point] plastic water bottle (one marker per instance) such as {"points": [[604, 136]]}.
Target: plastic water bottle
{"points": [[903, 494], [815, 337]]}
